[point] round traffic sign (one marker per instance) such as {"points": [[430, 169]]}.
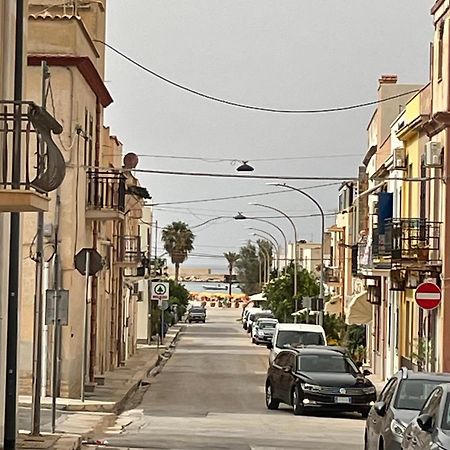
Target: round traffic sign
{"points": [[160, 289], [428, 295]]}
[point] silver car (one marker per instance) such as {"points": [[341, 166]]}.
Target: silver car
{"points": [[398, 404]]}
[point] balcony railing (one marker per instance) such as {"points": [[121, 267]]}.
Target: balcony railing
{"points": [[129, 251], [37, 165], [105, 195], [333, 276], [414, 242]]}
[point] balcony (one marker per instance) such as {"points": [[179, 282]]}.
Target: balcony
{"points": [[34, 169], [105, 195], [129, 251], [413, 243], [333, 276]]}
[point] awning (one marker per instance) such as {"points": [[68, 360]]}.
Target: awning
{"points": [[334, 305], [359, 310], [257, 297]]}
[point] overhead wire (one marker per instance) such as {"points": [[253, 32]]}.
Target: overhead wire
{"points": [[247, 106]]}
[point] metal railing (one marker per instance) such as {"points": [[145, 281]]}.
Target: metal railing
{"points": [[413, 242], [130, 249], [105, 190], [38, 160]]}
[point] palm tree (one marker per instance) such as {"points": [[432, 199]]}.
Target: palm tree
{"points": [[232, 259], [178, 242]]}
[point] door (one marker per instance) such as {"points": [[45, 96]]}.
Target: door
{"points": [[375, 421], [287, 377], [276, 371]]}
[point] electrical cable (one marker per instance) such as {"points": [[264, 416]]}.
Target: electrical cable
{"points": [[236, 176], [232, 197], [246, 106]]}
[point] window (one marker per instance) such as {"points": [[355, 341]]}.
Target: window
{"points": [[288, 338], [446, 415], [413, 393], [440, 61], [282, 359], [326, 363], [431, 406], [388, 391]]}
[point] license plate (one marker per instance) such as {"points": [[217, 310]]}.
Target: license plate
{"points": [[344, 400]]}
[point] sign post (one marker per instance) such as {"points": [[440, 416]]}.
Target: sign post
{"points": [[160, 292]]}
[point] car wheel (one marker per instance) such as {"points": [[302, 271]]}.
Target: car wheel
{"points": [[299, 409], [271, 402]]}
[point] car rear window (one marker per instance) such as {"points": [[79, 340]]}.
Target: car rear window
{"points": [[287, 338], [412, 393]]}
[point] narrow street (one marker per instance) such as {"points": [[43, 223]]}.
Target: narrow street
{"points": [[210, 395]]}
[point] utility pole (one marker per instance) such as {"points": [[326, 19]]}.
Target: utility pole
{"points": [[37, 324], [10, 428]]}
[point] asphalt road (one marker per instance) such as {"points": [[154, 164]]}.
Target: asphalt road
{"points": [[210, 395]]}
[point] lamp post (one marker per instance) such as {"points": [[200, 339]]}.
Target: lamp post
{"points": [[272, 241], [240, 216], [322, 215], [266, 256], [295, 247]]}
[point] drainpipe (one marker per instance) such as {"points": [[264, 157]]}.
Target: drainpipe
{"points": [[94, 293]]}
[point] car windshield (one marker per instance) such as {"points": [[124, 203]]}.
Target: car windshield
{"points": [[197, 310], [326, 363], [413, 393], [266, 325], [288, 338]]}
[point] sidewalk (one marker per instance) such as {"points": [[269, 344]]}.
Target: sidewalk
{"points": [[100, 407], [49, 442], [115, 387]]}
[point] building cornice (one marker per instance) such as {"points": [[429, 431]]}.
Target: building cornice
{"points": [[437, 5], [85, 67]]}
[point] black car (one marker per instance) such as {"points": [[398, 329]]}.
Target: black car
{"points": [[431, 428], [318, 377], [399, 402]]}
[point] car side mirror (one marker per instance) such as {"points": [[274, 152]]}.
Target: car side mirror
{"points": [[269, 345], [380, 408], [425, 422], [367, 372]]}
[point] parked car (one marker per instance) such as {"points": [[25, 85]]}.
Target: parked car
{"points": [[431, 428], [263, 329], [196, 314], [399, 402], [295, 334], [255, 315], [246, 314], [318, 377]]}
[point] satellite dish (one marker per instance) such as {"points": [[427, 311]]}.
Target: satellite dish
{"points": [[130, 161]]}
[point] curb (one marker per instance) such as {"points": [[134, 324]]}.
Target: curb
{"points": [[119, 406]]}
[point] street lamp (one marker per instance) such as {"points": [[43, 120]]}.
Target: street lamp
{"points": [[295, 246], [240, 216], [322, 268], [272, 241]]}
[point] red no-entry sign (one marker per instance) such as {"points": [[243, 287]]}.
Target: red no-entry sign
{"points": [[428, 295]]}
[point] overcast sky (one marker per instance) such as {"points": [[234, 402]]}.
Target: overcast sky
{"points": [[290, 54]]}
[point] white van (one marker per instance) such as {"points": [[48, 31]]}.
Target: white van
{"points": [[294, 334]]}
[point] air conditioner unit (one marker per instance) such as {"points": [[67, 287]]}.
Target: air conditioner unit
{"points": [[399, 162], [433, 154]]}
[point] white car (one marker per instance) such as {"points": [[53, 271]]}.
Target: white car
{"points": [[293, 335], [263, 329], [246, 314], [255, 315]]}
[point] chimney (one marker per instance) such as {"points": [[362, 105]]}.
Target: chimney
{"points": [[388, 79]]}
